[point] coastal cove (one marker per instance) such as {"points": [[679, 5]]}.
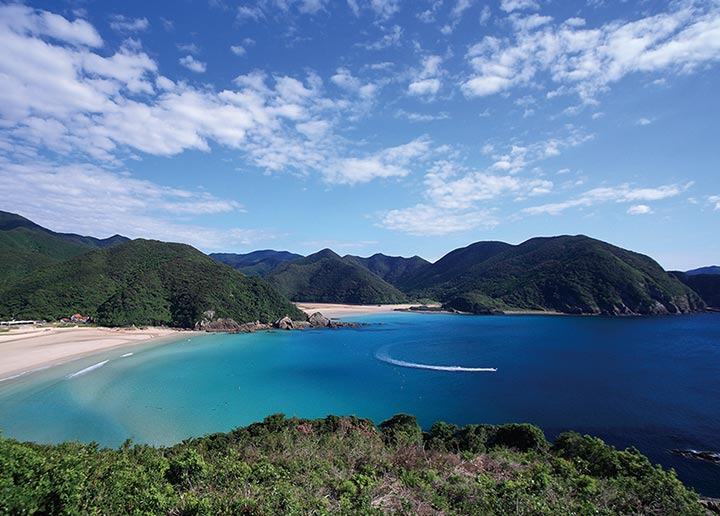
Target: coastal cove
{"points": [[647, 382]]}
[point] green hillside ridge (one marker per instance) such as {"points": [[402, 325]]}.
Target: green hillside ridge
{"points": [[143, 282], [26, 246], [706, 285], [9, 221], [569, 274], [452, 265], [256, 263], [325, 277], [343, 465], [392, 269]]}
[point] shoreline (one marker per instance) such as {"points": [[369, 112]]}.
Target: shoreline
{"points": [[336, 310], [26, 350]]}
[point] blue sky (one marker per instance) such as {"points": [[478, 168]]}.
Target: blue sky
{"points": [[366, 125]]}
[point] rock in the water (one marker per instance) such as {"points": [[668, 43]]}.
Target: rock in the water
{"points": [[284, 324], [318, 320]]}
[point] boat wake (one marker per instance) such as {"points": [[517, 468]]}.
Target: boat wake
{"points": [[383, 356], [87, 369]]}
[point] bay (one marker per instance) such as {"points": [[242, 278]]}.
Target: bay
{"points": [[649, 382]]}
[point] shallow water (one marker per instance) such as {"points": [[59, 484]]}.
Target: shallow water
{"points": [[648, 382]]}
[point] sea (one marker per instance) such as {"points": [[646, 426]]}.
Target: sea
{"points": [[648, 382]]}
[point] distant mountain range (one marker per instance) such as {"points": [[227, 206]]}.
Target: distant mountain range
{"points": [[325, 277], [257, 263], [712, 269], [48, 275]]}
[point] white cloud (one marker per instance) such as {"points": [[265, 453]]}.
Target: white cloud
{"points": [[122, 23], [426, 80], [421, 117], [424, 87], [85, 199], [238, 50], [192, 48], [619, 194], [586, 61], [385, 9], [25, 20], [643, 121], [389, 39], [344, 79], [193, 64], [390, 162], [456, 15], [639, 209], [426, 220], [517, 5]]}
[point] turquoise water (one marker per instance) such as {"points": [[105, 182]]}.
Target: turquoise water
{"points": [[649, 382]]}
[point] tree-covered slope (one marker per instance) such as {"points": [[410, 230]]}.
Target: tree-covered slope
{"points": [[706, 285], [26, 246], [393, 269], [452, 265], [9, 221], [143, 282], [324, 277], [343, 465], [570, 274], [257, 263]]}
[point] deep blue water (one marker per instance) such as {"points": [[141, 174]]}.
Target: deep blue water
{"points": [[651, 382]]}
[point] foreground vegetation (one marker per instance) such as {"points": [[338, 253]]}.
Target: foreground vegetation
{"points": [[342, 465]]}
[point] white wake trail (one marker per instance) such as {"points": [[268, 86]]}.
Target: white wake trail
{"points": [[384, 357]]}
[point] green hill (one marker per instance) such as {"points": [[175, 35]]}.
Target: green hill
{"points": [[324, 277], [26, 246], [452, 265], [143, 282], [393, 269], [570, 274], [346, 466], [257, 263], [706, 285]]}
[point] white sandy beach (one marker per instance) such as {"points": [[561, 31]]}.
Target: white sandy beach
{"points": [[30, 348], [338, 310]]}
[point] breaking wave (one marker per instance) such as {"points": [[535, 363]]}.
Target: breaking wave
{"points": [[383, 356], [87, 369]]}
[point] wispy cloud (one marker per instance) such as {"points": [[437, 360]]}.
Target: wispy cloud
{"points": [[586, 61], [624, 193]]}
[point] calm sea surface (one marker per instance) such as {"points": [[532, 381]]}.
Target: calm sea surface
{"points": [[652, 382]]}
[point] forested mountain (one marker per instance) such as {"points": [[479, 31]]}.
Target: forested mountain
{"points": [[256, 263], [325, 277], [712, 269], [393, 269], [569, 274], [26, 246], [143, 282], [706, 285]]}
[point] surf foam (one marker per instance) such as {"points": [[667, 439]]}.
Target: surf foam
{"points": [[87, 369]]}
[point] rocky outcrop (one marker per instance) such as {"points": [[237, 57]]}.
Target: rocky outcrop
{"points": [[284, 324], [709, 456], [318, 320], [221, 325]]}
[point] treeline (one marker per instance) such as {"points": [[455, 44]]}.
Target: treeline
{"points": [[342, 465]]}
